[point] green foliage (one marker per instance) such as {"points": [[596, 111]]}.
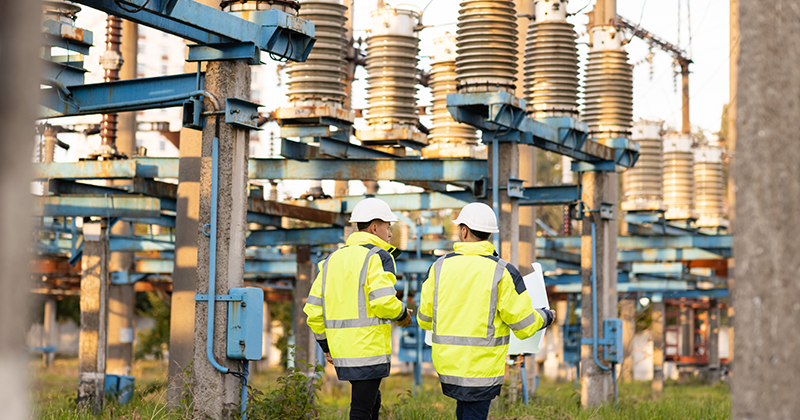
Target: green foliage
{"points": [[69, 308], [644, 319], [156, 339], [294, 398], [282, 312]]}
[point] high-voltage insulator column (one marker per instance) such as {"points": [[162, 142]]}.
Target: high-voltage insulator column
{"points": [[642, 184], [392, 50], [608, 113], [111, 62], [317, 86], [708, 185], [679, 177], [448, 138], [551, 62], [487, 62]]}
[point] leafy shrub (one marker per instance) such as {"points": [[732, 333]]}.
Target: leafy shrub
{"points": [[294, 398]]}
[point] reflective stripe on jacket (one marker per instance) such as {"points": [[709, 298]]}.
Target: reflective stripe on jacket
{"points": [[470, 301], [351, 305]]}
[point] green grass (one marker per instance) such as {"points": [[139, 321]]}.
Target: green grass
{"points": [[54, 393]]}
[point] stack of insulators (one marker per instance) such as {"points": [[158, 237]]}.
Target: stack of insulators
{"points": [[643, 183], [443, 82], [321, 76], [487, 46]]}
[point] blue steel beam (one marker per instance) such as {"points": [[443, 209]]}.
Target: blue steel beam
{"points": [[398, 202], [119, 96], [444, 170], [272, 30], [312, 236], [646, 242], [109, 206], [697, 294], [640, 286], [550, 195], [672, 254], [138, 244]]}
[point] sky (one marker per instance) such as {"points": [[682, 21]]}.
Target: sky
{"points": [[706, 39]]}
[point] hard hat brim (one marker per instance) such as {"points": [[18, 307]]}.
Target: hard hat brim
{"points": [[472, 226]]}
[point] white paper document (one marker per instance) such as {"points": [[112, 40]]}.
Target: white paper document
{"points": [[534, 282]]}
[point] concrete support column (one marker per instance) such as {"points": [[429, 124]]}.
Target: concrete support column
{"points": [[713, 343], [767, 249], [50, 329], [341, 188], [509, 209], [216, 395], [94, 320], [627, 313], [527, 214], [306, 344], [598, 187], [657, 331], [563, 317], [184, 274], [372, 187], [730, 143], [121, 303]]}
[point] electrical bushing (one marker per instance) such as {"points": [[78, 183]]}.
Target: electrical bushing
{"points": [[245, 323]]}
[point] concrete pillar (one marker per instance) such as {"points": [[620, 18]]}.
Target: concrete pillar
{"points": [[730, 143], [657, 331], [713, 343], [563, 317], [121, 303], [184, 272], [216, 395], [19, 83], [509, 209], [50, 329], [341, 188], [266, 345], [627, 313], [766, 247], [596, 385], [306, 344], [94, 319], [527, 214]]}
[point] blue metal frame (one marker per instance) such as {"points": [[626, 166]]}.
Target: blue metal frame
{"points": [[311, 236], [120, 96], [271, 31]]}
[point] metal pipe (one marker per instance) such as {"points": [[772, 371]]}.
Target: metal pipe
{"points": [[243, 404], [496, 188], [523, 373], [594, 298], [212, 275]]}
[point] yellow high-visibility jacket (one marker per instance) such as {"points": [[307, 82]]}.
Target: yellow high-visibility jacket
{"points": [[351, 305], [470, 301]]}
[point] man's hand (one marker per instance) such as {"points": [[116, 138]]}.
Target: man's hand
{"points": [[407, 321], [328, 358]]}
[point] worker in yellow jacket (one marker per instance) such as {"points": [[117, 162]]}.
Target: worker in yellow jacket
{"points": [[470, 301], [352, 303]]}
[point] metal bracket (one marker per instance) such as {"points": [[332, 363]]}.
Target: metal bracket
{"points": [[479, 187], [607, 211], [227, 51], [515, 188], [192, 109], [217, 298], [241, 113]]}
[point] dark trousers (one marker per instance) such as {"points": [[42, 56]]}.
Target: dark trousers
{"points": [[365, 400], [472, 410]]}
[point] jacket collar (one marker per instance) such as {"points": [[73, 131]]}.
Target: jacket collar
{"points": [[364, 238], [475, 248]]}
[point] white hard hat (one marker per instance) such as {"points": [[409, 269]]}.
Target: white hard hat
{"points": [[370, 209], [478, 217]]}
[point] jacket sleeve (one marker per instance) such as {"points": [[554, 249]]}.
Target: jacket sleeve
{"points": [[381, 294], [425, 310], [514, 305], [313, 308]]}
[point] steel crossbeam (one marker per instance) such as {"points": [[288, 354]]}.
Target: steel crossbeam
{"points": [[272, 31]]}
